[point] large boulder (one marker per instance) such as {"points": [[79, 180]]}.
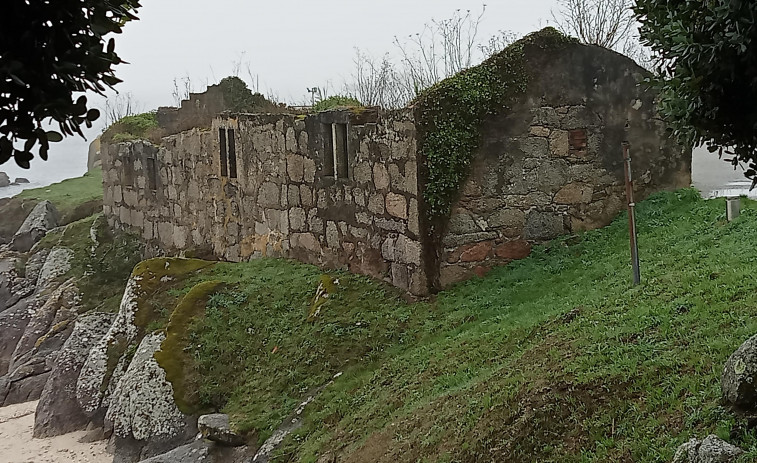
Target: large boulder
{"points": [[739, 382], [94, 160], [196, 452], [57, 264], [37, 349], [13, 323], [46, 321], [34, 266], [710, 450], [103, 365], [4, 180], [13, 285], [43, 218], [143, 414], [216, 428], [58, 411], [108, 361]]}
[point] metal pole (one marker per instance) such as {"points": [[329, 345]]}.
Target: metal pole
{"points": [[631, 214]]}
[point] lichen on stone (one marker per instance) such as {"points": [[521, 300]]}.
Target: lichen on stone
{"points": [[142, 406]]}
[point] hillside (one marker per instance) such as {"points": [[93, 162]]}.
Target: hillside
{"points": [[552, 359]]}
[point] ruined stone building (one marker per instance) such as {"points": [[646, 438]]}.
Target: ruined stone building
{"points": [[359, 188]]}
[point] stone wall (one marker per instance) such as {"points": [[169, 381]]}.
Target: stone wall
{"points": [[196, 111], [553, 164], [284, 200], [343, 189]]}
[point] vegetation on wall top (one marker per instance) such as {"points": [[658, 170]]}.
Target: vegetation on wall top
{"points": [[238, 98], [335, 102], [450, 115], [133, 127]]}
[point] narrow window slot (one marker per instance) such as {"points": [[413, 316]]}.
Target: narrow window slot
{"points": [[328, 150], [340, 150], [232, 154], [152, 174], [222, 141]]}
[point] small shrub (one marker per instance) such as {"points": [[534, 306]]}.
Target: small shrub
{"points": [[335, 102]]}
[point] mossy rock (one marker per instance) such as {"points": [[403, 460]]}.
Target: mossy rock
{"points": [[155, 276], [172, 355]]}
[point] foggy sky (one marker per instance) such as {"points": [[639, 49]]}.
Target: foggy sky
{"points": [[288, 46]]}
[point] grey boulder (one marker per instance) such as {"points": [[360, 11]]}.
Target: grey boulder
{"points": [[21, 180], [58, 411], [196, 452], [739, 382], [216, 428], [57, 264], [13, 323], [4, 180], [43, 218], [142, 413], [710, 450]]}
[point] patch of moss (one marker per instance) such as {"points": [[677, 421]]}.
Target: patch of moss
{"points": [[173, 357], [57, 328], [450, 115], [156, 277]]}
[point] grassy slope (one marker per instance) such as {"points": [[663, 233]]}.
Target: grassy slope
{"points": [[69, 194], [552, 359]]}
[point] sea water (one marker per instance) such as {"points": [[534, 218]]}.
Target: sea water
{"points": [[67, 159]]}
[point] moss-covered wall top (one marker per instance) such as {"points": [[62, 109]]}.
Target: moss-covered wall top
{"points": [[451, 113]]}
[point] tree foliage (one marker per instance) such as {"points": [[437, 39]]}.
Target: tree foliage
{"points": [[706, 54], [49, 51]]}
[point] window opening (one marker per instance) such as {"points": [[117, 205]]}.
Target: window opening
{"points": [[328, 150], [232, 154], [222, 141], [152, 174], [577, 142], [128, 162], [339, 137]]}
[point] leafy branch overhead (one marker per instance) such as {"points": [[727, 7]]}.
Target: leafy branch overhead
{"points": [[707, 66], [48, 52]]}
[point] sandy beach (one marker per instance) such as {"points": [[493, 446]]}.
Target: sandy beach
{"points": [[18, 446]]}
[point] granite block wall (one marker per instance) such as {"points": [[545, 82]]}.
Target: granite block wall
{"points": [[285, 200]]}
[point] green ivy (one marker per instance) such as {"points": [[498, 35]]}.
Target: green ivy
{"points": [[450, 115]]}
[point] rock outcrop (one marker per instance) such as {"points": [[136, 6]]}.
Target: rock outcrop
{"points": [[196, 452], [739, 382], [100, 369], [4, 180], [13, 286], [58, 411], [710, 450], [216, 428], [142, 412], [13, 323], [36, 350], [43, 218], [57, 264]]}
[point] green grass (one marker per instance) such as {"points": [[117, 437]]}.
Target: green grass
{"points": [[555, 358], [69, 195]]}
